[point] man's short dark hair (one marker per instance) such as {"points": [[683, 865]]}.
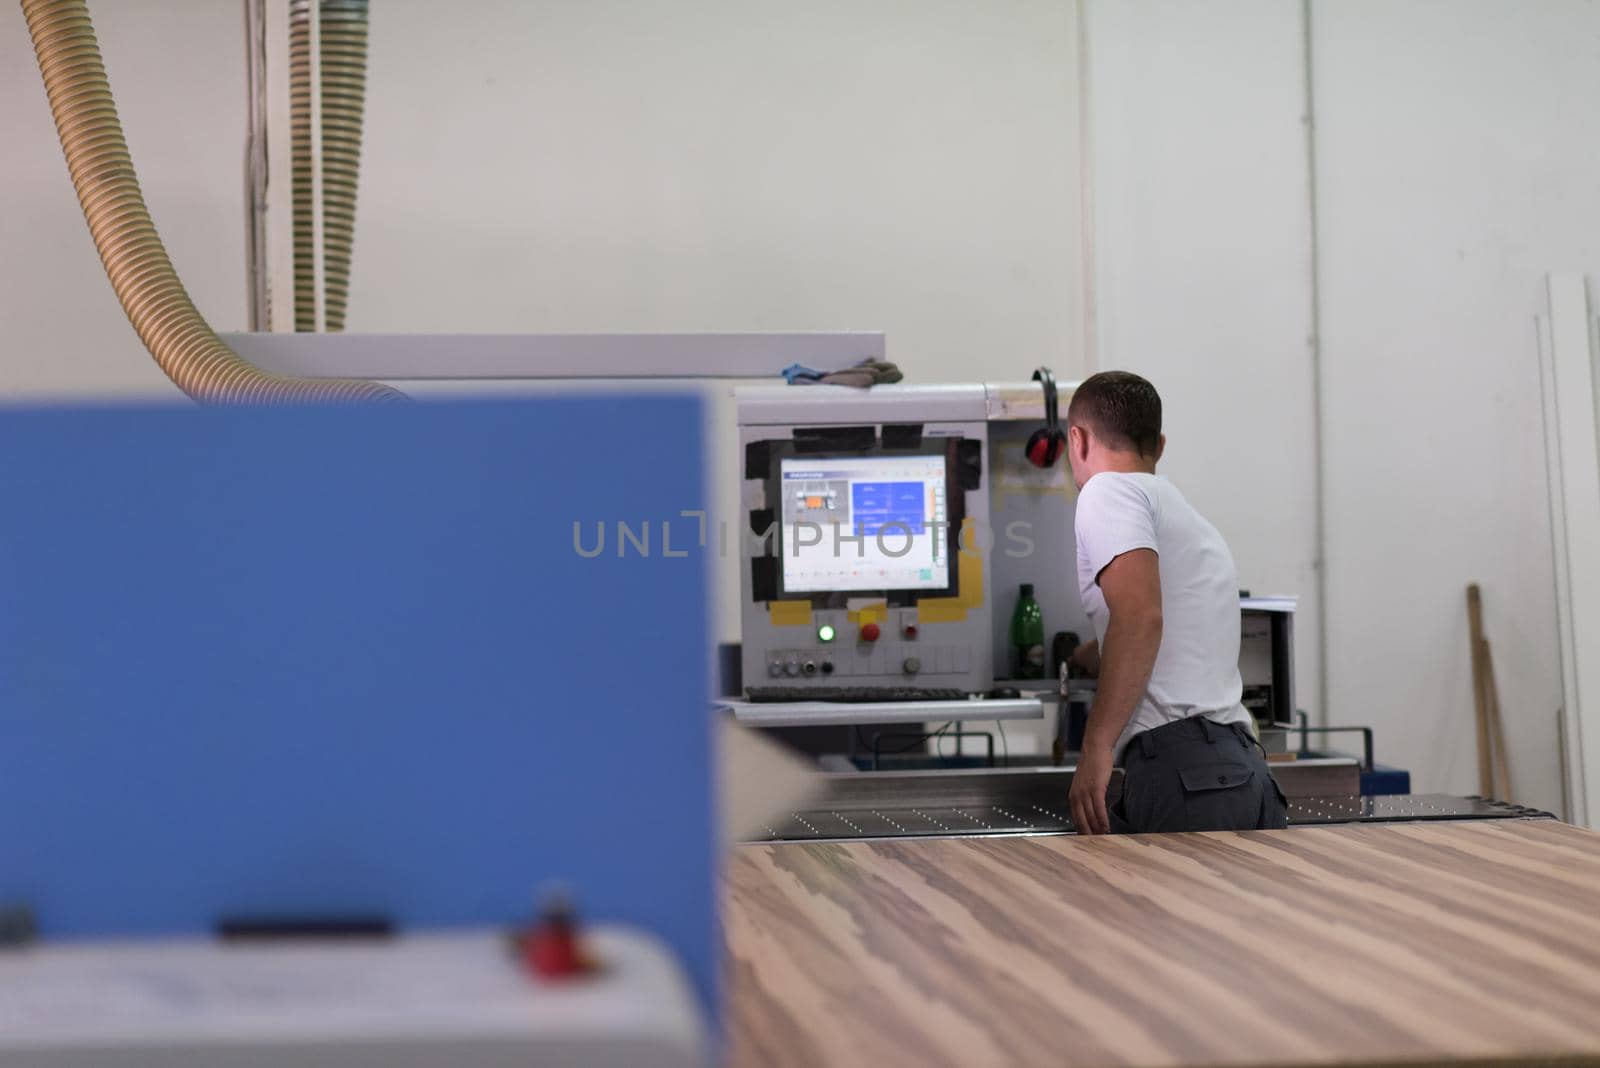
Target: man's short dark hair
{"points": [[1119, 408]]}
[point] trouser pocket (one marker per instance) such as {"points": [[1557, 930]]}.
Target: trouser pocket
{"points": [[1222, 795], [1152, 799]]}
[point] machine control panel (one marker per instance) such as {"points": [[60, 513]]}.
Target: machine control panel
{"points": [[888, 660], [858, 567], [874, 643], [886, 645]]}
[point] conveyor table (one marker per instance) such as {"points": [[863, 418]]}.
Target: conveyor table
{"points": [[1362, 943]]}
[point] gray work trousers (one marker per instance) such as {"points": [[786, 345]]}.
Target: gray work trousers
{"points": [[1196, 775]]}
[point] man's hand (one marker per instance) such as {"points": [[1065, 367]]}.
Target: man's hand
{"points": [[1088, 794]]}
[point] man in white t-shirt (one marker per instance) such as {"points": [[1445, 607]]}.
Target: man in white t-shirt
{"points": [[1160, 588]]}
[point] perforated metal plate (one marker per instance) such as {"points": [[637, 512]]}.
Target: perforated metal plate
{"points": [[920, 821], [1404, 807], [1024, 814]]}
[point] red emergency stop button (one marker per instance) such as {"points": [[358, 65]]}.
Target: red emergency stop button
{"points": [[552, 949], [910, 630], [869, 632]]}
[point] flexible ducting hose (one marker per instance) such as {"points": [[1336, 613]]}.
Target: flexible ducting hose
{"points": [[301, 185], [108, 189], [342, 46]]}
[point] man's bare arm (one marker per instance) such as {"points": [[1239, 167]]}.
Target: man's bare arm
{"points": [[1132, 587]]}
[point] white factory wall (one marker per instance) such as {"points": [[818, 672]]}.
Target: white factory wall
{"points": [[899, 165], [1202, 279], [1457, 164], [176, 67], [1454, 167]]}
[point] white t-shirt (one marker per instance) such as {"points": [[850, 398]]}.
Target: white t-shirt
{"points": [[1197, 668]]}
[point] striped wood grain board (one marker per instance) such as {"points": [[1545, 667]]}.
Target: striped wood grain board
{"points": [[1415, 943]]}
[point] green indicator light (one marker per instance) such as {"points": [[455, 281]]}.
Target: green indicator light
{"points": [[825, 632]]}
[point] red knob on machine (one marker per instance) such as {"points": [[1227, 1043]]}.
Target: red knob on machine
{"points": [[910, 630], [552, 948], [869, 632], [551, 951]]}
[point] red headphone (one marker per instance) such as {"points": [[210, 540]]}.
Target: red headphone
{"points": [[1045, 445]]}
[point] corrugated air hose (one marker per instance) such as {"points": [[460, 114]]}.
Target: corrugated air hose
{"points": [[342, 45], [151, 293]]}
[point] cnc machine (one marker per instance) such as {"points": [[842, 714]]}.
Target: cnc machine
{"points": [[887, 535]]}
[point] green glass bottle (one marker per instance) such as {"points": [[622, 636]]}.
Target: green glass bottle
{"points": [[1027, 637]]}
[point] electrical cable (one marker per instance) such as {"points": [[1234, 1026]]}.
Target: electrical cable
{"points": [[919, 739]]}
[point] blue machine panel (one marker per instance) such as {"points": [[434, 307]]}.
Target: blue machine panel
{"points": [[1382, 779], [325, 660]]}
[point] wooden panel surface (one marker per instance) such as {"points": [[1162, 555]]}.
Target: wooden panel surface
{"points": [[1369, 943]]}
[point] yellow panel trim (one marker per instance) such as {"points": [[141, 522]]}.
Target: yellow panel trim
{"points": [[969, 579], [789, 613], [872, 613]]}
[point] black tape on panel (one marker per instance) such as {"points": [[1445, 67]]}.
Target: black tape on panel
{"points": [[763, 578], [809, 439], [902, 435], [761, 520], [757, 459], [969, 464]]}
